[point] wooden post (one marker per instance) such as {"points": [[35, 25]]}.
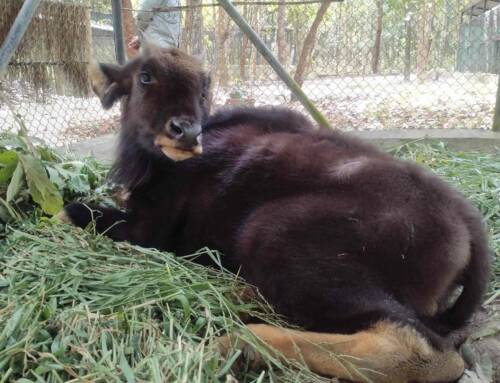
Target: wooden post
{"points": [[129, 28], [268, 55], [496, 116]]}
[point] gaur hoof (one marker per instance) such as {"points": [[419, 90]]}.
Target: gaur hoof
{"points": [[77, 214]]}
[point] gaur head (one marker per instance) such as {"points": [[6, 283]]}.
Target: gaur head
{"points": [[166, 97]]}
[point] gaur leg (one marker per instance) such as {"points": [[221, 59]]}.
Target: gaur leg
{"points": [[323, 294], [387, 352], [112, 222], [310, 265], [318, 303]]}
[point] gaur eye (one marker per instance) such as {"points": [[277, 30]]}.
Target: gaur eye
{"points": [[145, 78]]}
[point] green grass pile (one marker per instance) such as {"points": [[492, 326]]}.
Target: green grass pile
{"points": [[74, 306]]}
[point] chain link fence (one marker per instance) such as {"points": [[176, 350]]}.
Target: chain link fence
{"points": [[367, 64]]}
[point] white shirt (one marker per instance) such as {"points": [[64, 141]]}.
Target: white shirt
{"points": [[161, 28]]}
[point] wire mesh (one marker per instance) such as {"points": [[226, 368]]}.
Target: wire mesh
{"points": [[367, 64]]}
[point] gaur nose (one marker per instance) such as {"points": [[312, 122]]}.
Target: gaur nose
{"points": [[184, 131]]}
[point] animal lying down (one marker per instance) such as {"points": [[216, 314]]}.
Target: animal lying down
{"points": [[359, 249]]}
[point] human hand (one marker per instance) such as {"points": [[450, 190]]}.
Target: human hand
{"points": [[134, 43]]}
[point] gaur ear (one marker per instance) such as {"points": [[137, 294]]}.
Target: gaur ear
{"points": [[109, 82]]}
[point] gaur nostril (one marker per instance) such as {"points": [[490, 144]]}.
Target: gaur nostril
{"points": [[175, 130]]}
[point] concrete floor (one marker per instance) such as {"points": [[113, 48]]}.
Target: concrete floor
{"points": [[103, 148]]}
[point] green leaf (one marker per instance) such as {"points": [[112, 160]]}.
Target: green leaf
{"points": [[127, 370], [5, 216], [41, 189], [76, 181], [55, 177], [8, 163], [50, 308], [7, 212], [47, 366], [185, 305], [16, 183], [12, 141], [48, 155], [11, 326], [57, 348], [79, 184]]}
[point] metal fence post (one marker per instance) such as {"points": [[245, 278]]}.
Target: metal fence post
{"points": [[16, 33], [278, 68], [118, 31], [496, 116]]}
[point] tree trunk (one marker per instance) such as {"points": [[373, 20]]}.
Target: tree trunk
{"points": [[308, 46], [296, 42], [281, 33], [350, 36], [192, 40], [254, 54], [340, 52], [378, 37], [446, 39], [86, 55], [496, 116], [247, 14], [198, 48], [222, 35], [187, 28], [243, 58], [408, 23], [424, 38], [129, 28]]}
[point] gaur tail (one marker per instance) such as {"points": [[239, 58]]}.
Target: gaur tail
{"points": [[474, 279]]}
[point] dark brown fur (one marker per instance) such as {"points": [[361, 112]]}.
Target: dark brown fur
{"points": [[336, 234]]}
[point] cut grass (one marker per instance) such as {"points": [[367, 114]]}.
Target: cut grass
{"points": [[78, 306], [74, 306]]}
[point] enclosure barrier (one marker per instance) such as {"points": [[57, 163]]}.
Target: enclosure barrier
{"points": [[268, 55], [365, 64], [118, 31]]}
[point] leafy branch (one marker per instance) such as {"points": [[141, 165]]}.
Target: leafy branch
{"points": [[32, 173]]}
